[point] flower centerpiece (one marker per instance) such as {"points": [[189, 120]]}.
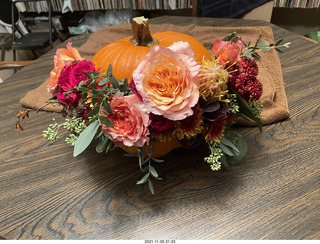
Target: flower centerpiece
{"points": [[173, 94]]}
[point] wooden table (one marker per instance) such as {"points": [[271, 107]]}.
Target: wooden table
{"points": [[273, 194]]}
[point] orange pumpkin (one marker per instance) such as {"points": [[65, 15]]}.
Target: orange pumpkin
{"points": [[125, 55], [160, 149]]}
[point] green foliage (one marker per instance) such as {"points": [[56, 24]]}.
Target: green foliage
{"points": [[74, 125], [85, 138], [249, 112], [151, 171]]}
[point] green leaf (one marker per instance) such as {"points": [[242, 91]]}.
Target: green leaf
{"points": [[109, 71], [243, 147], [110, 146], [82, 83], [153, 171], [227, 150], [114, 82], [248, 113], [263, 44], [93, 112], [103, 81], [265, 49], [97, 100], [245, 109], [102, 145], [105, 112], [143, 180], [92, 74], [84, 96], [85, 138], [125, 86], [230, 37], [278, 42], [106, 121], [278, 50], [224, 160], [157, 160], [150, 186], [106, 105], [228, 143], [141, 157], [150, 151]]}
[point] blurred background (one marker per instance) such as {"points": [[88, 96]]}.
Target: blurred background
{"points": [[76, 17]]}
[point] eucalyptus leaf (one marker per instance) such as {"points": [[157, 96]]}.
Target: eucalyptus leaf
{"points": [[243, 148], [143, 180], [230, 37], [278, 42], [227, 150], [278, 50], [93, 112], [102, 145], [247, 52], [106, 105], [103, 81], [224, 160], [114, 82], [158, 160], [109, 71], [150, 151], [85, 138], [106, 121], [228, 143], [97, 100], [150, 186], [110, 146], [263, 44], [153, 171], [265, 49]]}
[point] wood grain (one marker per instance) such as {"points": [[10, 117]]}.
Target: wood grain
{"points": [[272, 194]]}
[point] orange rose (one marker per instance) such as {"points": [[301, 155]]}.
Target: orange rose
{"points": [[62, 55], [167, 80]]}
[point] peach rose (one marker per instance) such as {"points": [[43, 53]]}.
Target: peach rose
{"points": [[130, 119], [62, 55], [167, 80]]}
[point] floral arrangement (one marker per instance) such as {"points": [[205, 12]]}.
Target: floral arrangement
{"points": [[171, 100]]}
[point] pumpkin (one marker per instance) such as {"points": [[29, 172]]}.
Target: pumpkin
{"points": [[125, 55]]}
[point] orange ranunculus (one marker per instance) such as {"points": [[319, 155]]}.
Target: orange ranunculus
{"points": [[167, 80], [62, 55]]}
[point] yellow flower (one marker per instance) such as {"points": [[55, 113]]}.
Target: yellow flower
{"points": [[213, 81]]}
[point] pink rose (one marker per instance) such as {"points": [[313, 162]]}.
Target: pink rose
{"points": [[167, 80], [70, 76], [130, 119], [228, 52]]}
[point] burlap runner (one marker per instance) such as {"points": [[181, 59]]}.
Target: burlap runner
{"points": [[270, 74]]}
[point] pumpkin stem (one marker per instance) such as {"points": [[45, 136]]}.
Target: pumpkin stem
{"points": [[141, 33]]}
